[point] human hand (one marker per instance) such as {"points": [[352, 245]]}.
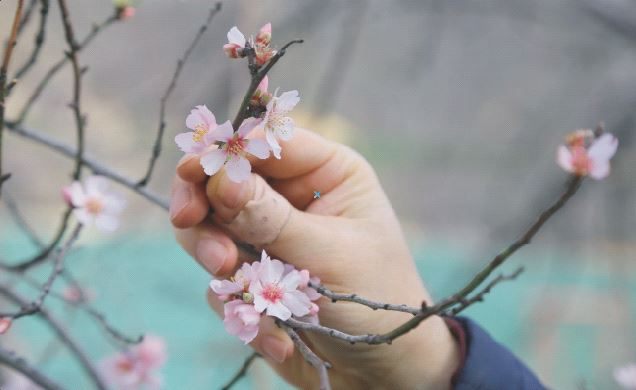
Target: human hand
{"points": [[349, 237]]}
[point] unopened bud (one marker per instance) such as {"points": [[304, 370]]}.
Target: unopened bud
{"points": [[248, 297], [5, 324]]}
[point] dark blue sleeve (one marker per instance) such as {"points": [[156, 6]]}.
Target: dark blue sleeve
{"points": [[489, 365]]}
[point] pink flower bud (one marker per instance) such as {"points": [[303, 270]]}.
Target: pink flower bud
{"points": [[126, 12], [5, 324], [264, 36], [263, 54], [67, 195]]}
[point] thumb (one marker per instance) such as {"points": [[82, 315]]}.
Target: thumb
{"points": [[254, 213]]}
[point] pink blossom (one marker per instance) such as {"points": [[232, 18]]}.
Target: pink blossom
{"points": [[233, 150], [583, 160], [202, 122], [276, 122], [278, 294], [241, 319], [625, 376], [238, 285], [93, 203], [5, 324], [76, 295], [136, 368], [236, 42]]}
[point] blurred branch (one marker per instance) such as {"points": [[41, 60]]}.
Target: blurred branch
{"points": [[63, 335], [10, 359], [21, 221], [241, 373], [39, 41], [92, 164], [4, 69], [97, 28], [58, 266], [156, 150], [26, 15], [320, 365]]}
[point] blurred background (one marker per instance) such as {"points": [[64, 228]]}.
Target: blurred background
{"points": [[458, 104]]}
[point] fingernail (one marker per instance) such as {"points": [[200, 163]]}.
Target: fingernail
{"points": [[230, 193], [180, 200], [212, 255], [275, 348]]}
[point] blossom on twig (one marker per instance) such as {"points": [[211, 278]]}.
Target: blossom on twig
{"points": [[584, 155], [625, 376], [138, 367], [235, 48], [265, 287], [124, 10], [233, 149], [202, 122], [276, 123], [93, 203]]}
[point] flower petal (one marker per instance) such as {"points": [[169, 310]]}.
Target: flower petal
{"points": [[279, 310], [258, 148], [600, 169], [273, 143], [76, 194], [564, 159], [287, 101], [223, 132], [106, 223], [236, 37], [286, 130], [247, 126], [297, 302], [603, 148], [291, 281], [238, 169], [186, 143], [96, 185], [225, 287], [212, 161], [264, 84], [83, 216]]}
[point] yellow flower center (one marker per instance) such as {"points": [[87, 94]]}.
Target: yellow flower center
{"points": [[199, 132], [94, 205]]}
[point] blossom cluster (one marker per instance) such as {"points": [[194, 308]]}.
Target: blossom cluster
{"points": [[265, 287], [221, 145], [138, 367], [94, 204], [586, 155]]}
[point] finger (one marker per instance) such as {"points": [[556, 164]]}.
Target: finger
{"points": [[271, 341], [254, 213], [211, 248], [188, 204], [190, 170]]}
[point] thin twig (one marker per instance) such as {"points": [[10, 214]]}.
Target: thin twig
{"points": [[77, 87], [320, 365], [156, 150], [21, 222], [257, 77], [97, 28], [95, 166], [479, 297], [39, 41], [335, 297], [10, 359], [26, 16], [241, 373], [63, 335], [4, 69], [36, 305]]}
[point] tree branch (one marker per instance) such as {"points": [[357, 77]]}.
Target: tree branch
{"points": [[62, 333], [241, 373], [156, 150], [4, 69], [39, 41], [10, 359], [37, 92], [36, 305], [320, 365]]}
